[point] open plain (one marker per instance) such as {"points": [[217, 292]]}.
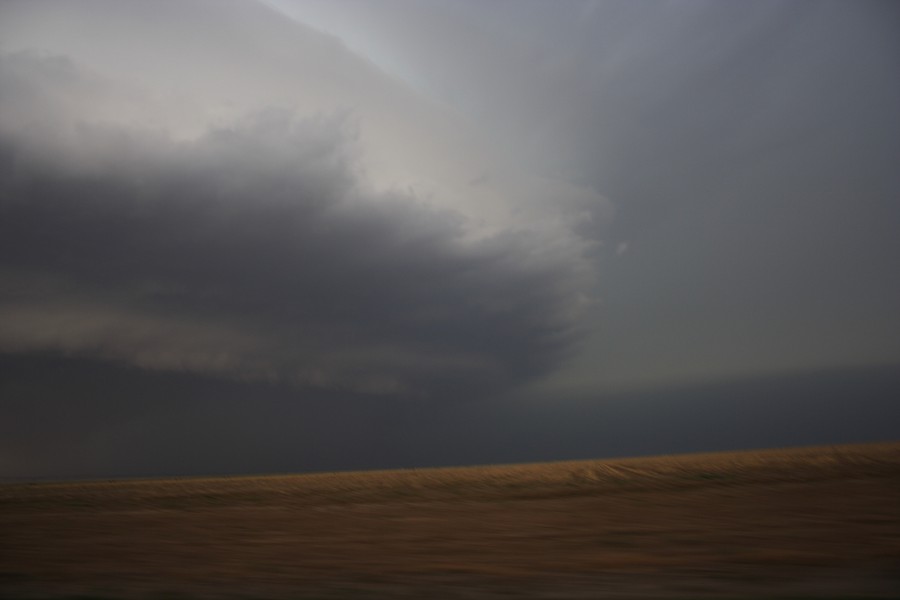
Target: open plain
{"points": [[817, 522]]}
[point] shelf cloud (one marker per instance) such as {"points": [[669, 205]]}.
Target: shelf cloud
{"points": [[258, 247]]}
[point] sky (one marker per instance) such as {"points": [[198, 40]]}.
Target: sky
{"points": [[246, 236]]}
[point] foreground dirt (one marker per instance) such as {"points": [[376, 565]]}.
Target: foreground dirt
{"points": [[820, 522]]}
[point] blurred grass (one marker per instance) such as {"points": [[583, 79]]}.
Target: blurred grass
{"points": [[803, 519]]}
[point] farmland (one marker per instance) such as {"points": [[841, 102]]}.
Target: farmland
{"points": [[800, 523]]}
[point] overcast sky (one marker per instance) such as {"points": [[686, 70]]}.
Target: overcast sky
{"points": [[288, 235]]}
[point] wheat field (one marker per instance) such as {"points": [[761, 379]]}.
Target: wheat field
{"points": [[792, 523]]}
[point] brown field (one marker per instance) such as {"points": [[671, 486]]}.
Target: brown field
{"points": [[802, 523]]}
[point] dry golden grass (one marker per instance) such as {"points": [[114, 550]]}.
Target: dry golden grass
{"points": [[478, 483], [691, 525]]}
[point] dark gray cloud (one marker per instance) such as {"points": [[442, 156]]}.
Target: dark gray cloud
{"points": [[255, 252]]}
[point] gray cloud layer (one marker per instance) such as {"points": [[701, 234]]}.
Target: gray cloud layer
{"points": [[254, 251], [133, 422]]}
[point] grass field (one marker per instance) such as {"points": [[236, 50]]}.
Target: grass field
{"points": [[800, 523]]}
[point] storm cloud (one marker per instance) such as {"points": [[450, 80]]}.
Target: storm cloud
{"points": [[309, 234], [256, 251]]}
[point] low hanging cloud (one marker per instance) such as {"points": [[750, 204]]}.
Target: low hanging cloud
{"points": [[256, 250]]}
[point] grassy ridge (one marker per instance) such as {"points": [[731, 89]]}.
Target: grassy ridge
{"points": [[471, 484]]}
